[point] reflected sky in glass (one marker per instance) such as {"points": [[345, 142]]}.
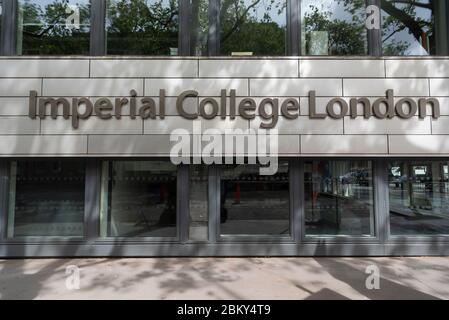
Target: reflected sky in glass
{"points": [[393, 35]]}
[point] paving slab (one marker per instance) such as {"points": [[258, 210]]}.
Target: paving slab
{"points": [[225, 278]]}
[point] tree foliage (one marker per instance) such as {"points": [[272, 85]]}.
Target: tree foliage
{"points": [[150, 27], [46, 29]]}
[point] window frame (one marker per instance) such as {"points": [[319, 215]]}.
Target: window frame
{"points": [[89, 199], [98, 30], [409, 238], [376, 215], [180, 237], [292, 237]]}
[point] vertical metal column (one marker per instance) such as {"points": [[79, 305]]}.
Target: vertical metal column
{"points": [[375, 34], [213, 42], [300, 211], [9, 28], [381, 200], [98, 28], [92, 199], [183, 203], [293, 44], [4, 186], [184, 27], [296, 201], [214, 203]]}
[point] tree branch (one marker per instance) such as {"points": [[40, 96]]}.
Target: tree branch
{"points": [[406, 19], [239, 20]]}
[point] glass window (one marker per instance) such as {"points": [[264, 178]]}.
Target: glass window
{"points": [[138, 199], [142, 27], [53, 27], [419, 197], [253, 27], [339, 198], [198, 203], [46, 198], [414, 27], [199, 27], [1, 14], [252, 204], [332, 27]]}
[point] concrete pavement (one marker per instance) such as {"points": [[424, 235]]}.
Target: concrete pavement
{"points": [[225, 278]]}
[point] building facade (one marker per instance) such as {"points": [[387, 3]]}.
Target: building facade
{"points": [[354, 93]]}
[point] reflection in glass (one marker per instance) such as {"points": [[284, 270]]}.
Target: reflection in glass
{"points": [[53, 27], [46, 198], [138, 199], [339, 198], [1, 14], [252, 204], [142, 27], [419, 197], [414, 27], [199, 27], [253, 27], [198, 203], [333, 27]]}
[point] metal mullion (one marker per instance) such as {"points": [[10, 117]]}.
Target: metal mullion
{"points": [[213, 203], [295, 203], [92, 199], [213, 39], [184, 30], [9, 28], [381, 200], [375, 35], [293, 44], [98, 28], [4, 186], [447, 26], [182, 198], [300, 202]]}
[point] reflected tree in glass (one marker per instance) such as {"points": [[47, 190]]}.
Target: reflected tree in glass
{"points": [[255, 27], [53, 27], [142, 27], [409, 27], [332, 27], [419, 197], [339, 198], [199, 27], [414, 27], [1, 14]]}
